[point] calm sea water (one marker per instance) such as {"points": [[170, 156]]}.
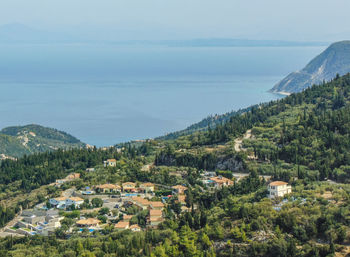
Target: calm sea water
{"points": [[109, 94]]}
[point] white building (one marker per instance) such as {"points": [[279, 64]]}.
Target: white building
{"points": [[110, 163], [76, 201], [58, 202], [63, 202], [278, 189]]}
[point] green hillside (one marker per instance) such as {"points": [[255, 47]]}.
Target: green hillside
{"points": [[302, 139], [306, 132], [209, 122], [19, 140]]}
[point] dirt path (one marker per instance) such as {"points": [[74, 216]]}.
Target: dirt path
{"points": [[239, 141]]}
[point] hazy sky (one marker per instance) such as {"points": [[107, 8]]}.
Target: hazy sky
{"points": [[326, 20]]}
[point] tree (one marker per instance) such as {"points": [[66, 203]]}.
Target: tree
{"points": [[96, 202]]}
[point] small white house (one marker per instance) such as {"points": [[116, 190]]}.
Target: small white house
{"points": [[110, 163], [278, 189]]}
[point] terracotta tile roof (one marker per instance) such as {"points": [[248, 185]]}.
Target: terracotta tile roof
{"points": [[76, 199], [127, 217], [179, 187], [112, 160], [90, 221], [222, 180], [73, 176], [155, 218], [135, 226], [108, 186], [148, 184], [156, 204], [141, 200], [278, 183], [181, 198], [155, 213], [122, 224], [129, 184], [62, 198]]}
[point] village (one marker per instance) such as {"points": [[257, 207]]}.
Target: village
{"points": [[131, 206]]}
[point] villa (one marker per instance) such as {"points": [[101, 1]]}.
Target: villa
{"points": [[141, 202], [278, 189], [147, 187], [108, 188], [221, 181], [155, 217], [110, 163], [91, 222], [76, 201], [156, 205], [135, 228], [121, 225], [179, 189], [63, 202], [129, 187]]}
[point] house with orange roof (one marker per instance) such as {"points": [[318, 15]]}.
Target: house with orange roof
{"points": [[135, 228], [58, 201], [179, 189], [221, 181], [155, 217], [182, 199], [110, 163], [127, 217], [90, 222], [122, 225], [141, 202], [76, 201], [129, 186], [63, 202], [278, 189], [108, 188], [156, 205], [147, 187], [73, 176]]}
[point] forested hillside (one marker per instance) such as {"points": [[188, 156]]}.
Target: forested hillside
{"points": [[20, 140], [309, 129], [302, 139], [209, 122]]}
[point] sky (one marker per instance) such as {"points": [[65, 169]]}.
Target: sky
{"points": [[299, 20]]}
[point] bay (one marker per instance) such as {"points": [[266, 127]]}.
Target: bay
{"points": [[106, 94]]}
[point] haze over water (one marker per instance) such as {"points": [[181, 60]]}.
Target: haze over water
{"points": [[105, 94]]}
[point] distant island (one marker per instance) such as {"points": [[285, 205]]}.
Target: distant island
{"points": [[334, 60], [17, 33], [17, 141]]}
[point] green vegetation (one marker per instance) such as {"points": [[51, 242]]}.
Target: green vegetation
{"points": [[302, 139], [21, 140]]}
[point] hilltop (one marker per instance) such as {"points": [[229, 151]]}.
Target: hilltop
{"points": [[17, 141], [334, 60]]}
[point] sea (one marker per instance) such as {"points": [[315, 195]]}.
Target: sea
{"points": [[105, 94]]}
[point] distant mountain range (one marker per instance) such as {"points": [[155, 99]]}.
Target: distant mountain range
{"points": [[334, 60], [20, 140], [19, 33]]}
